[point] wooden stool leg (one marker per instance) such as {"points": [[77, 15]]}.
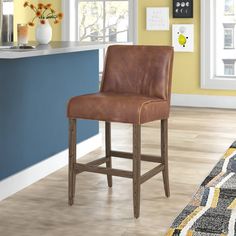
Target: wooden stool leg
{"points": [[164, 155], [72, 160], [136, 168], [108, 150]]}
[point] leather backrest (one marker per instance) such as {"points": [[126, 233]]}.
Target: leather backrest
{"points": [[144, 70]]}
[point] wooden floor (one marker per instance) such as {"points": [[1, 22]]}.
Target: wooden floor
{"points": [[197, 139]]}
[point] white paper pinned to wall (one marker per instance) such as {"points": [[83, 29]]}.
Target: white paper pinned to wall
{"points": [[157, 18]]}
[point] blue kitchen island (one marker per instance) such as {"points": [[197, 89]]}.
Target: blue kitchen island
{"points": [[35, 86]]}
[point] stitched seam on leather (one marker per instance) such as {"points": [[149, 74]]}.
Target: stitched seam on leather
{"points": [[140, 109]]}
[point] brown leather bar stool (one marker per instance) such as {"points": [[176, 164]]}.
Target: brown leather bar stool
{"points": [[136, 89]]}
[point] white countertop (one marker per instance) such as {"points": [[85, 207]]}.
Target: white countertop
{"points": [[50, 49]]}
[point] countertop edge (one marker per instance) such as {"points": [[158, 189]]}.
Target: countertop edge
{"points": [[14, 54]]}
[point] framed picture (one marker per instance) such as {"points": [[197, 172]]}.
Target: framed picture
{"points": [[157, 18], [183, 8], [183, 37]]}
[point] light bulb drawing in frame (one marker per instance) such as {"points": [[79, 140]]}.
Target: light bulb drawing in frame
{"points": [[183, 37]]}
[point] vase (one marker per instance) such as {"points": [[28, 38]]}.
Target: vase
{"points": [[43, 32]]}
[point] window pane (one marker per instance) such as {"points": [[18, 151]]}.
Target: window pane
{"points": [[229, 69], [104, 21], [229, 7], [90, 21], [228, 38], [116, 21]]}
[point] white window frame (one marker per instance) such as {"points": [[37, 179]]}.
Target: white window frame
{"points": [[208, 78], [69, 25]]}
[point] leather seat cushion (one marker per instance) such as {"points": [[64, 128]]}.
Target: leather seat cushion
{"points": [[118, 107]]}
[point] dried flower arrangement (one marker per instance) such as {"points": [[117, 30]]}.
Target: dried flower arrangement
{"points": [[43, 12]]}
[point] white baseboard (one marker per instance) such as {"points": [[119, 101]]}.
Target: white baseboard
{"points": [[30, 175], [189, 100]]}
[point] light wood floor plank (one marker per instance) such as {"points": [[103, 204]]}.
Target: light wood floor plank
{"points": [[197, 139]]}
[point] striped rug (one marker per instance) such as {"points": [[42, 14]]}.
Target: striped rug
{"points": [[212, 210]]}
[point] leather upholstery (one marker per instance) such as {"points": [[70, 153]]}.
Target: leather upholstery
{"points": [[135, 88], [143, 70], [127, 108]]}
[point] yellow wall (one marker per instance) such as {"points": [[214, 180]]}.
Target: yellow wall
{"points": [[186, 76], [24, 15]]}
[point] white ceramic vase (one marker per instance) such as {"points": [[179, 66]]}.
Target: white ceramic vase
{"points": [[43, 32]]}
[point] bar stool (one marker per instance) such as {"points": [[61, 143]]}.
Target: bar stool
{"points": [[135, 89]]}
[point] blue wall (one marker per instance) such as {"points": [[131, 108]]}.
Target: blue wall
{"points": [[33, 99]]}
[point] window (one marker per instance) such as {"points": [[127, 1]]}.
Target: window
{"points": [[229, 7], [228, 67], [228, 37], [99, 20], [218, 54], [103, 21]]}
